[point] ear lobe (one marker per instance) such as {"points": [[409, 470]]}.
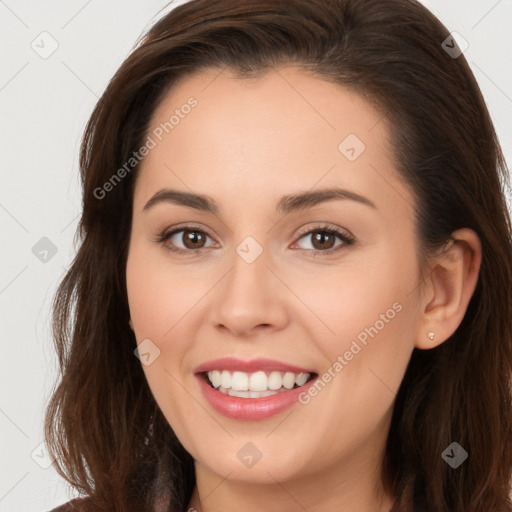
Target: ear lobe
{"points": [[449, 288]]}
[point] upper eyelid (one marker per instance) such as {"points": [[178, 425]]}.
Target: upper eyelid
{"points": [[324, 226], [174, 230]]}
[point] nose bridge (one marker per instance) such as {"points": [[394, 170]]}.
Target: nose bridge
{"points": [[247, 295]]}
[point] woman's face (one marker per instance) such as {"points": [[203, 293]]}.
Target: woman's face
{"points": [[259, 277]]}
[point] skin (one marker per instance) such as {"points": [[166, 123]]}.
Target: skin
{"points": [[246, 144]]}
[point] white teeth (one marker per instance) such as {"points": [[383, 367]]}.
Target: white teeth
{"points": [[240, 382], [250, 394], [301, 379], [225, 379], [214, 378], [257, 383], [289, 380], [275, 381]]}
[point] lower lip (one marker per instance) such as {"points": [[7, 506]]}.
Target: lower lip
{"points": [[251, 408]]}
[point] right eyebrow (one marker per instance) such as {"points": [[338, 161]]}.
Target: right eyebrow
{"points": [[197, 201]]}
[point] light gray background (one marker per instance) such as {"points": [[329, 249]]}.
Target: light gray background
{"points": [[44, 105]]}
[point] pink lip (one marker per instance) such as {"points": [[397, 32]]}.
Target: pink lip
{"points": [[233, 364], [251, 408]]}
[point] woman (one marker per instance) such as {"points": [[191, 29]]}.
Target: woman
{"points": [[293, 286]]}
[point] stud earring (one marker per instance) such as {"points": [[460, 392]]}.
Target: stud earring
{"points": [[431, 335]]}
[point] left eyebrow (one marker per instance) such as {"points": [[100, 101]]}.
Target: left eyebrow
{"points": [[308, 199], [286, 205]]}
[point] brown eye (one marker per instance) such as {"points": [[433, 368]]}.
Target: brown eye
{"points": [[323, 240], [185, 240], [193, 239]]}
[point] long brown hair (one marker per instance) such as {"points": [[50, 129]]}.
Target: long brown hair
{"points": [[103, 426]]}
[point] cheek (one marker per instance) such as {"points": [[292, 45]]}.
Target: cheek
{"points": [[157, 301], [162, 301], [373, 323], [158, 294], [362, 301], [369, 316]]}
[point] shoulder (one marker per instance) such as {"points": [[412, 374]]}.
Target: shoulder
{"points": [[75, 505]]}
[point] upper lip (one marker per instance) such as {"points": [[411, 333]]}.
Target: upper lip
{"points": [[253, 365]]}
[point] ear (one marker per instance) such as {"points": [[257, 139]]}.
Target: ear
{"points": [[448, 288], [131, 324]]}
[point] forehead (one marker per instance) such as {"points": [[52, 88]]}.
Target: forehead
{"points": [[286, 129], [274, 100]]}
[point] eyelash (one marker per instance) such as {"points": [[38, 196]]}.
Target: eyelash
{"points": [[345, 238]]}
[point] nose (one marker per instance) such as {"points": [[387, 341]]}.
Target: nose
{"points": [[250, 299]]}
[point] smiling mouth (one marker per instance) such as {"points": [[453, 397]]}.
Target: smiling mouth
{"points": [[257, 384]]}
